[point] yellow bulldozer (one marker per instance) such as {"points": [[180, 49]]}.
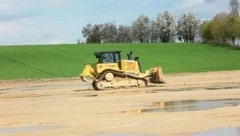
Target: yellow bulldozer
{"points": [[113, 72]]}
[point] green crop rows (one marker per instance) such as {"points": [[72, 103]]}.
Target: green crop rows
{"points": [[53, 61]]}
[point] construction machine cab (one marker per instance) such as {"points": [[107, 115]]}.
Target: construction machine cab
{"points": [[108, 56]]}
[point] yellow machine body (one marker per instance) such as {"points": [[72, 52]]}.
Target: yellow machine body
{"points": [[113, 72]]}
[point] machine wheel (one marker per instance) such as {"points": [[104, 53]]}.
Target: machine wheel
{"points": [[109, 76], [98, 85]]}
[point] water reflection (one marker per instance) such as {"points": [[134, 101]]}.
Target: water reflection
{"points": [[186, 105], [190, 105]]}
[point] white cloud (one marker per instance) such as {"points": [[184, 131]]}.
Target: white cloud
{"points": [[120, 6], [191, 3], [36, 31], [4, 7], [14, 10], [204, 9], [57, 3], [146, 1], [29, 22]]}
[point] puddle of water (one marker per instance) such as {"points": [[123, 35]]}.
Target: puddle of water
{"points": [[191, 105], [186, 105], [26, 129], [196, 88], [221, 132]]}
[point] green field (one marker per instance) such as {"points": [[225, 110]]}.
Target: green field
{"points": [[52, 61]]}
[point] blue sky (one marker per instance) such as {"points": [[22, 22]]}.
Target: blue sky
{"points": [[61, 21]]}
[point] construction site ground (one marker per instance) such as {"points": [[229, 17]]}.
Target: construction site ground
{"points": [[189, 104]]}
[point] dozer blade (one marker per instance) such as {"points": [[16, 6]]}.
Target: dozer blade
{"points": [[85, 79], [87, 73], [156, 75]]}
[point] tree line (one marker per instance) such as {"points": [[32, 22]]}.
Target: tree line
{"points": [[143, 30], [222, 29]]}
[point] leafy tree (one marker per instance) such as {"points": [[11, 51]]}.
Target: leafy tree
{"points": [[187, 27], [92, 33], [226, 27], [233, 28], [87, 31], [153, 32], [96, 34], [109, 32], [219, 28], [141, 29], [124, 34], [165, 26], [206, 31]]}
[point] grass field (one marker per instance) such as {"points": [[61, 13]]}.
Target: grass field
{"points": [[52, 61]]}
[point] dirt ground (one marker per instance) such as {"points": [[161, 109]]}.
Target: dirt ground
{"points": [[69, 107]]}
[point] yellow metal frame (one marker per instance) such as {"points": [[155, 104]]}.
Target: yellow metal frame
{"points": [[130, 66], [104, 66]]}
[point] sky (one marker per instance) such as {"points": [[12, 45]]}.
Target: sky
{"points": [[61, 21]]}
